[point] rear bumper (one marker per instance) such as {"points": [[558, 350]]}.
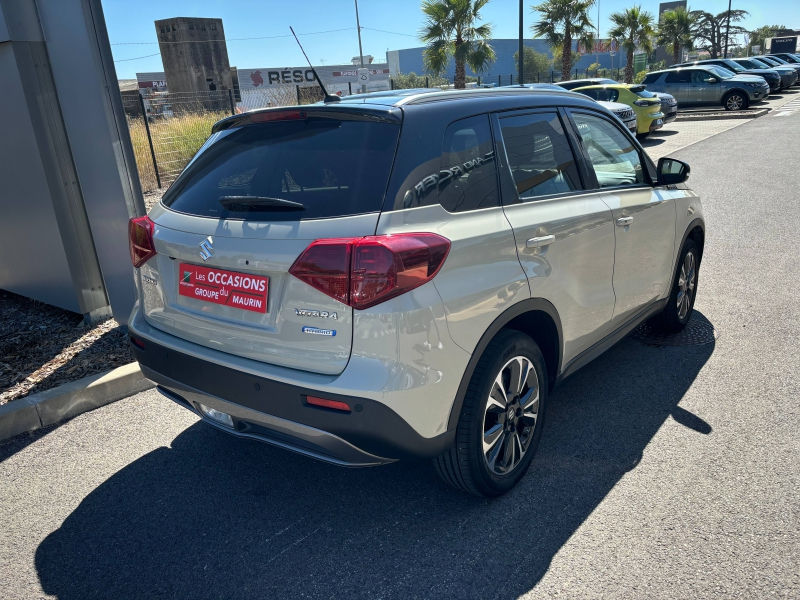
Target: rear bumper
{"points": [[278, 413]]}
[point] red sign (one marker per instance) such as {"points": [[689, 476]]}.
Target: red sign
{"points": [[239, 290]]}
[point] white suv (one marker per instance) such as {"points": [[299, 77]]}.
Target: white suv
{"points": [[408, 274]]}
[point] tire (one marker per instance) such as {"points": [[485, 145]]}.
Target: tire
{"points": [[680, 304], [466, 466], [735, 101]]}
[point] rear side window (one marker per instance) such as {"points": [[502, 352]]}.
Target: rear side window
{"points": [[468, 171], [651, 78], [679, 77], [602, 94], [332, 167], [539, 155]]}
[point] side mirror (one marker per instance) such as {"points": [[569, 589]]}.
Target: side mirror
{"points": [[711, 80], [672, 171]]}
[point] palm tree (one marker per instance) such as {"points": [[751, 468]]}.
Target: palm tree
{"points": [[675, 29], [564, 21], [451, 30], [633, 28]]}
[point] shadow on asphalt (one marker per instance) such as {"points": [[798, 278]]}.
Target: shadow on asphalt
{"points": [[215, 516]]}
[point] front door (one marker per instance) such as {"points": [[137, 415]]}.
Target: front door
{"points": [[705, 87], [564, 233], [644, 216]]}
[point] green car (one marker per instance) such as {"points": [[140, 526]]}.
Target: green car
{"points": [[646, 105]]}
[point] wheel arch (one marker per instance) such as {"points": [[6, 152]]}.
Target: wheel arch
{"points": [[535, 317], [696, 231]]}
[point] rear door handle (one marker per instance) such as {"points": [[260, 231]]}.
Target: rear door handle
{"points": [[539, 242], [624, 221]]}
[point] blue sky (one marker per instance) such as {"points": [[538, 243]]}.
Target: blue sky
{"points": [[133, 22]]}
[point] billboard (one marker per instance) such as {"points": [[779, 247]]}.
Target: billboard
{"points": [[333, 76], [783, 44]]}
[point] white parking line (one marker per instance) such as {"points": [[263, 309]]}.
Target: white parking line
{"points": [[789, 108]]}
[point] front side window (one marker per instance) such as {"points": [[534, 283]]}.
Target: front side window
{"points": [[539, 155], [467, 178], [613, 156]]}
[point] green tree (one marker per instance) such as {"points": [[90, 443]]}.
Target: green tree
{"points": [[563, 21], [675, 29], [758, 37], [558, 61], [451, 31], [708, 31], [633, 29], [534, 63]]}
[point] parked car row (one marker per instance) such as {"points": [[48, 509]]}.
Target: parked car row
{"points": [[732, 83], [409, 273]]}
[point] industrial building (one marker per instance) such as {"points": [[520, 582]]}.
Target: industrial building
{"points": [[410, 59], [195, 56]]}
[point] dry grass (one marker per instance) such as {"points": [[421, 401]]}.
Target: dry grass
{"points": [[175, 141]]}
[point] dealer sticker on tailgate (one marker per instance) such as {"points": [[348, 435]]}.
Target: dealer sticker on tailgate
{"points": [[239, 290]]}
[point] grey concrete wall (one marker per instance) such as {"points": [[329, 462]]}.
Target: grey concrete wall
{"points": [[33, 261]]}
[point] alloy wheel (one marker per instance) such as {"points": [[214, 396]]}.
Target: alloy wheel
{"points": [[734, 102], [686, 284], [509, 419]]}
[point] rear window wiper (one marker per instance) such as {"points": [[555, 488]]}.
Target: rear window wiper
{"points": [[246, 203]]}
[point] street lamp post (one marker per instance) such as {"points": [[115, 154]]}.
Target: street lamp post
{"points": [[360, 51], [727, 30], [521, 48]]}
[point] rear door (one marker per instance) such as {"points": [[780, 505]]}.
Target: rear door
{"points": [[232, 225], [644, 217], [677, 83], [564, 233]]}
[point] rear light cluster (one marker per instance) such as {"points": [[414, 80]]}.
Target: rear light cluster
{"points": [[140, 238], [363, 272]]}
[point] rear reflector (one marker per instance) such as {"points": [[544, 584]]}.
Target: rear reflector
{"points": [[363, 272], [334, 404], [140, 239], [137, 342]]}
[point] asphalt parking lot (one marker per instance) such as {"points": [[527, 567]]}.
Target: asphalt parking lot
{"points": [[663, 471]]}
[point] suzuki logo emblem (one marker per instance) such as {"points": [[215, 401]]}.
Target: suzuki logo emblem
{"points": [[206, 246]]}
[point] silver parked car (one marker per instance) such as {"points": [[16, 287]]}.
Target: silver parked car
{"points": [[712, 85], [408, 274]]}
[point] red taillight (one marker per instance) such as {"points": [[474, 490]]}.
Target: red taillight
{"points": [[325, 403], [140, 238], [363, 272]]}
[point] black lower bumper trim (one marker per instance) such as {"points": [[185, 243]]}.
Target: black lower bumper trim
{"points": [[370, 426]]}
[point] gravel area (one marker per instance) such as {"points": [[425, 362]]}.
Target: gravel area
{"points": [[42, 346]]}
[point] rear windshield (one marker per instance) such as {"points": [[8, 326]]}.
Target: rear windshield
{"points": [[602, 94], [331, 167]]}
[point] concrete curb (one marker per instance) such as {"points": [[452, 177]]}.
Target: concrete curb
{"points": [[71, 399], [717, 115]]}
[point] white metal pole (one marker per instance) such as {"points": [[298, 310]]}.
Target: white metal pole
{"points": [[360, 51]]}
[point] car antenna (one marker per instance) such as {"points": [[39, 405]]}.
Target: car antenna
{"points": [[328, 97]]}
